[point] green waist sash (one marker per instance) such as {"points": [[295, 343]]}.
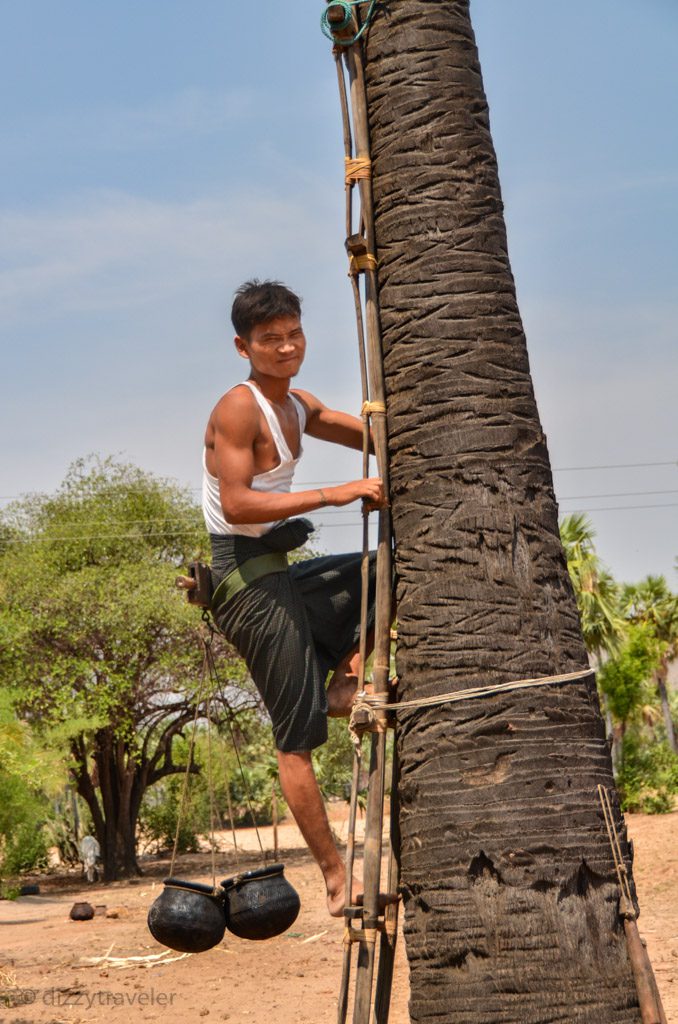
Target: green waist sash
{"points": [[245, 574]]}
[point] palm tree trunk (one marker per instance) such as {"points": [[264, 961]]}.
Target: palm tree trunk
{"points": [[661, 677], [509, 888]]}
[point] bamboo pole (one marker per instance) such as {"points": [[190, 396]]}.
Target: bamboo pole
{"points": [[375, 800], [350, 857], [387, 943], [651, 1009], [373, 382]]}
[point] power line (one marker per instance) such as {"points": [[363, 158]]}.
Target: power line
{"points": [[556, 469], [341, 511], [620, 465], [622, 508], [619, 494], [560, 469], [320, 524]]}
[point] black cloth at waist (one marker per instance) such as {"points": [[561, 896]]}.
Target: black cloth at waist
{"points": [[231, 550]]}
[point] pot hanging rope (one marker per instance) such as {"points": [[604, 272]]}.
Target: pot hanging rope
{"points": [[191, 917]]}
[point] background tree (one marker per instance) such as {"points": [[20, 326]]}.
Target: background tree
{"points": [[625, 678], [597, 595], [95, 639], [509, 888], [30, 772], [651, 601], [596, 592], [648, 769]]}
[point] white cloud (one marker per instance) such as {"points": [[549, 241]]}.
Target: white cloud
{"points": [[118, 252]]}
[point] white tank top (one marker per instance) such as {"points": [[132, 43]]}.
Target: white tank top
{"points": [[277, 480]]}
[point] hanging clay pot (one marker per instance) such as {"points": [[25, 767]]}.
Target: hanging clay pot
{"points": [[81, 912], [187, 916], [260, 904]]}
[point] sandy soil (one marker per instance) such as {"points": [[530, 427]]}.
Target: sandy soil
{"points": [[51, 969]]}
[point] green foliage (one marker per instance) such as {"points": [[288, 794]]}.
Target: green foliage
{"points": [[652, 601], [160, 810], [159, 818], [648, 778], [29, 772], [633, 632], [596, 592], [88, 612], [25, 850], [101, 650], [254, 788], [333, 762], [625, 678]]}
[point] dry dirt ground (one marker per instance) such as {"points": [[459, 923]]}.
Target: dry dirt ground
{"points": [[55, 970]]}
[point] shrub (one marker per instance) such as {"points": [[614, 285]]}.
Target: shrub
{"points": [[25, 849], [333, 762], [648, 776], [159, 816]]}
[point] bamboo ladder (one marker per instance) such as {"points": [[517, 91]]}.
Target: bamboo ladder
{"points": [[360, 247]]}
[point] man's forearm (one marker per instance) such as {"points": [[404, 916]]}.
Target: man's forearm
{"points": [[243, 505], [260, 507], [339, 428]]}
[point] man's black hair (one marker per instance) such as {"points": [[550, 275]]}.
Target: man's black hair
{"points": [[256, 302]]}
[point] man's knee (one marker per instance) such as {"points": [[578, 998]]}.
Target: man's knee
{"points": [[296, 772], [292, 757]]}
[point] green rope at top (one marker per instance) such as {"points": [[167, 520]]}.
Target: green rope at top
{"points": [[348, 5]]}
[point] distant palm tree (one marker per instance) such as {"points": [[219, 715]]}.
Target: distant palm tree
{"points": [[598, 595], [596, 591], [652, 601]]}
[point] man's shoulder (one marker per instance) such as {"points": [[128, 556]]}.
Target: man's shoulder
{"points": [[239, 398], [310, 401], [236, 409]]}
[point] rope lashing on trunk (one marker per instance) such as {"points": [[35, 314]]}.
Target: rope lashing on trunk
{"points": [[372, 409], [358, 168], [330, 28], [363, 715]]}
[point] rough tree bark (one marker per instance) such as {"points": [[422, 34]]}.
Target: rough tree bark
{"points": [[509, 889]]}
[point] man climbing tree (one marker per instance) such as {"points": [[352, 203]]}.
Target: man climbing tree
{"points": [[292, 624]]}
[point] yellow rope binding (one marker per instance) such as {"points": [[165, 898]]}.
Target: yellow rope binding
{"points": [[356, 264], [372, 409], [357, 168], [366, 935]]}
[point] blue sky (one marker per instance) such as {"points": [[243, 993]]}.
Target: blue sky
{"points": [[155, 155]]}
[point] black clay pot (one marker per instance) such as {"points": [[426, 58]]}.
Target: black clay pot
{"points": [[81, 912], [187, 916], [260, 904]]}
